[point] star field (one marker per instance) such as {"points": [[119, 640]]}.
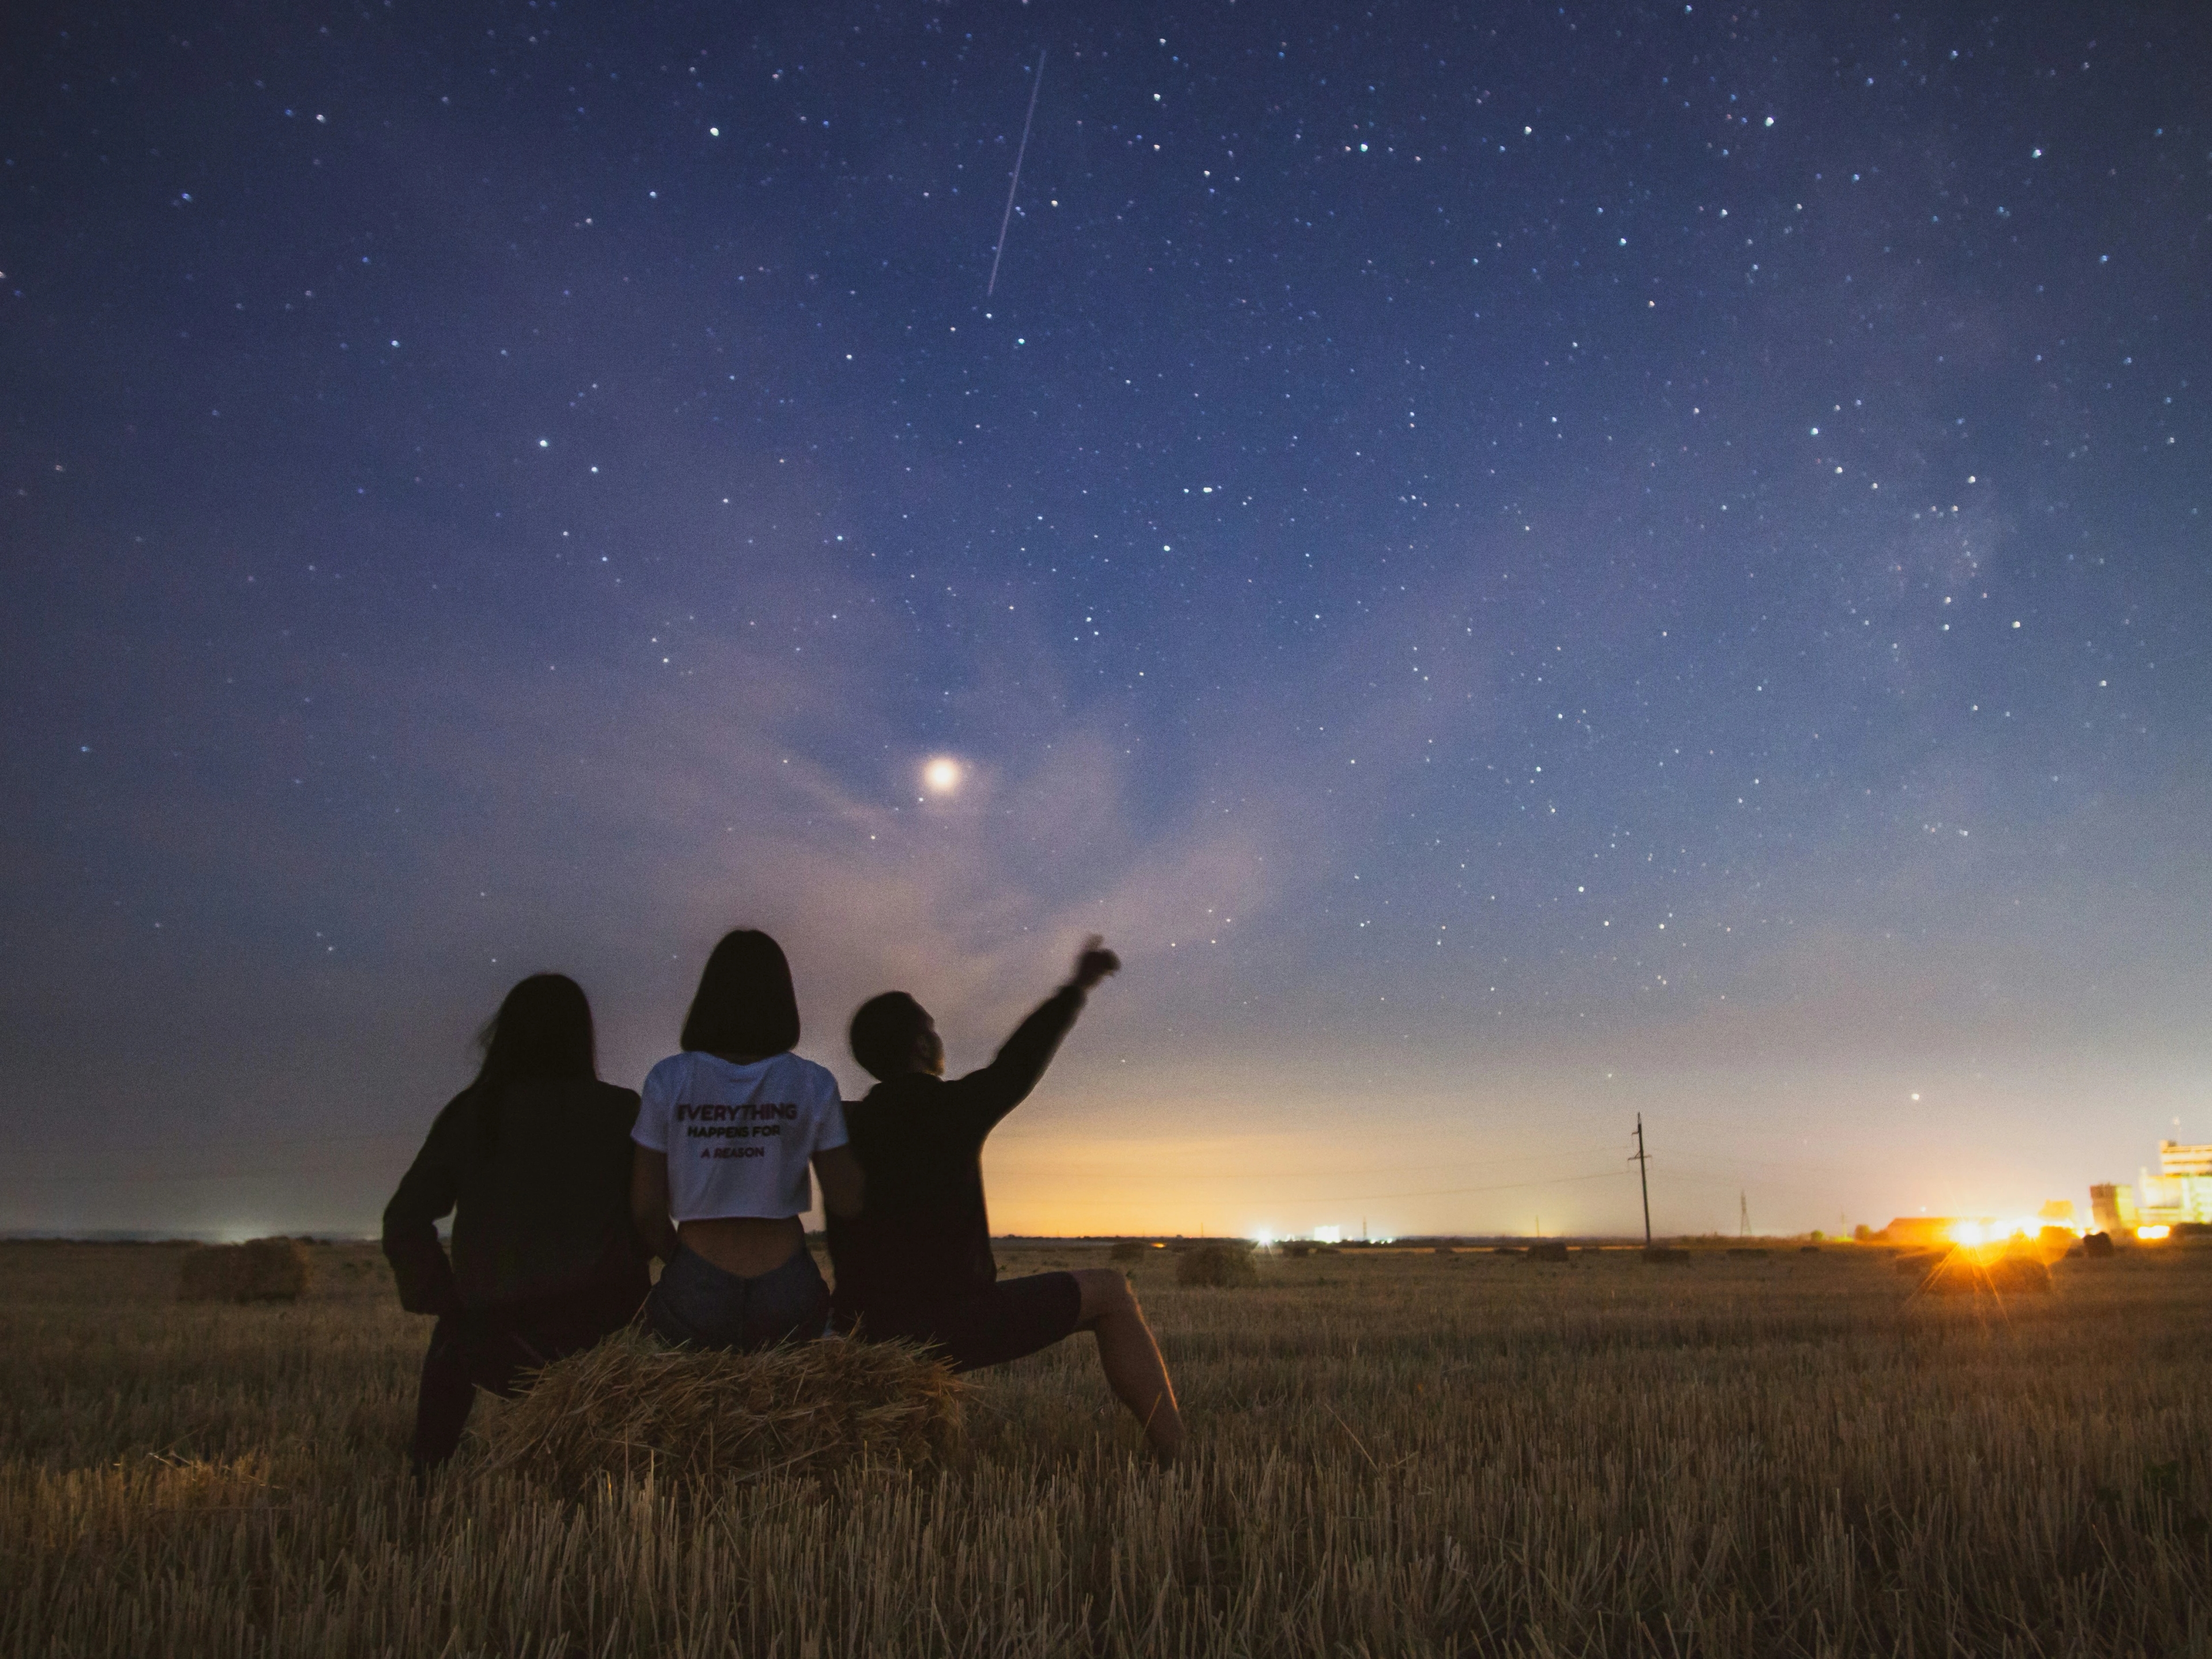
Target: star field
{"points": [[1522, 564]]}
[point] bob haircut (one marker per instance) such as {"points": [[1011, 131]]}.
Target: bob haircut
{"points": [[542, 1030], [744, 1005], [882, 1033]]}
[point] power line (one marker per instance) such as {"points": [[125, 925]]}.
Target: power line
{"points": [[1643, 1177]]}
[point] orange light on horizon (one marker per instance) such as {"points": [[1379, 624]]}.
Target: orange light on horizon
{"points": [[1972, 1234]]}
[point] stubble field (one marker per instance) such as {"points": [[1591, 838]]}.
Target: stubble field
{"points": [[1395, 1453]]}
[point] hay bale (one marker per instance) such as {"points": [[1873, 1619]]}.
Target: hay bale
{"points": [[1551, 1249], [259, 1270], [633, 1402], [1129, 1249], [1220, 1263], [2097, 1245], [1961, 1273]]}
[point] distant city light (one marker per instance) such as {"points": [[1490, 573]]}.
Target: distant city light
{"points": [[2153, 1233], [1328, 1235], [1989, 1231]]}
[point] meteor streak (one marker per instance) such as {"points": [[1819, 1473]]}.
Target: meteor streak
{"points": [[1014, 183]]}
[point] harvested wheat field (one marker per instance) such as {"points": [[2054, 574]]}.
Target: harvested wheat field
{"points": [[1397, 1453]]}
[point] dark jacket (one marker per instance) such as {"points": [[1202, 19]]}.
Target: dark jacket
{"points": [[924, 1236], [538, 1181]]}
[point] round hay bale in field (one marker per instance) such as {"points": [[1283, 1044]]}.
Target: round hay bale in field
{"points": [[2097, 1245], [633, 1402], [259, 1270], [1129, 1249], [1960, 1273], [1550, 1249], [1219, 1264]]}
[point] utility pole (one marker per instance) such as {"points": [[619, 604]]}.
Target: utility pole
{"points": [[1644, 1174], [1743, 1214]]}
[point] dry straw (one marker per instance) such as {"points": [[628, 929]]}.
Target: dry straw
{"points": [[1960, 1273], [1389, 1458], [259, 1270], [1222, 1263], [632, 1403]]}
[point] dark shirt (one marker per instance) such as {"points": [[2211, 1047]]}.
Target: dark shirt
{"points": [[923, 1237], [539, 1191]]}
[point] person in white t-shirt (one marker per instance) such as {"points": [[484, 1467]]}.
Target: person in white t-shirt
{"points": [[727, 1134]]}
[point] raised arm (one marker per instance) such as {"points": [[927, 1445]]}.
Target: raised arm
{"points": [[426, 1193], [1006, 1081]]}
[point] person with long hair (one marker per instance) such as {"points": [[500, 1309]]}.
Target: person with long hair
{"points": [[726, 1136], [532, 1160]]}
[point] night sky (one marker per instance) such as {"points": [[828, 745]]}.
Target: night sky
{"points": [[1524, 564]]}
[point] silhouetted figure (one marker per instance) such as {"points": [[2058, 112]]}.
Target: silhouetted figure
{"points": [[532, 1160], [725, 1138], [916, 1264]]}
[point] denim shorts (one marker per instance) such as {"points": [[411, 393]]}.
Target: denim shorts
{"points": [[698, 1303]]}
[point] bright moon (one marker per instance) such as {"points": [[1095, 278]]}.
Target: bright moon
{"points": [[941, 776]]}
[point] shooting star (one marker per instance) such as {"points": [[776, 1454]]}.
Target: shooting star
{"points": [[1015, 183]]}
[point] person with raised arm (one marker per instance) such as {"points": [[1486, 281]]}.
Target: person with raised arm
{"points": [[725, 1135], [915, 1264]]}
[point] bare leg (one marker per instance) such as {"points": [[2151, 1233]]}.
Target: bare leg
{"points": [[1130, 1358]]}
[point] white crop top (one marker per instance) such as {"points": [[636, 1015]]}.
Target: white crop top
{"points": [[739, 1136]]}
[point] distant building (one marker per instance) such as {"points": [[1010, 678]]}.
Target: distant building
{"points": [[2058, 1211], [2180, 1191], [2178, 1163], [2112, 1208]]}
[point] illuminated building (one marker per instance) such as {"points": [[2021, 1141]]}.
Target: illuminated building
{"points": [[2178, 1163], [2180, 1191], [2112, 1208]]}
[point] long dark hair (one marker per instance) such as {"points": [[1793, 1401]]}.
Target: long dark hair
{"points": [[542, 1030], [744, 1004]]}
